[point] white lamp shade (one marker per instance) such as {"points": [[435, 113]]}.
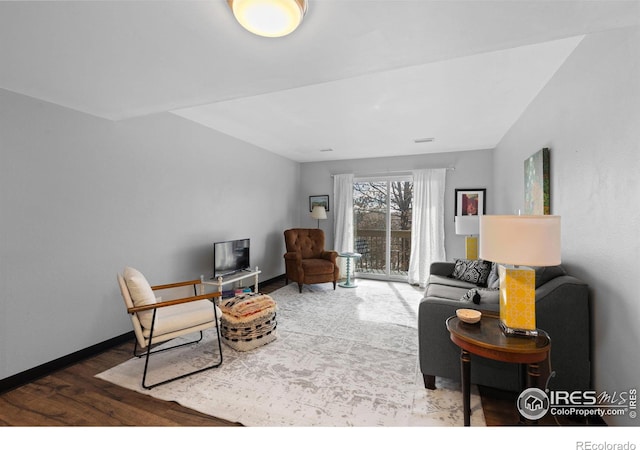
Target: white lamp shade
{"points": [[319, 212], [520, 240], [269, 18], [467, 225]]}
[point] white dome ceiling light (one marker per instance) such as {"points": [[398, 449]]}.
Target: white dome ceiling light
{"points": [[269, 18]]}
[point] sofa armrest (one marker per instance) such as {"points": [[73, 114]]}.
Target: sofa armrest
{"points": [[433, 339], [442, 268], [562, 310], [432, 314], [438, 355]]}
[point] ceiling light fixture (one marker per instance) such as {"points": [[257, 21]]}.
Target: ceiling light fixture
{"points": [[421, 140], [269, 18]]}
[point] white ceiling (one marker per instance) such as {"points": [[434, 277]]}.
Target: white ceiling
{"points": [[361, 77]]}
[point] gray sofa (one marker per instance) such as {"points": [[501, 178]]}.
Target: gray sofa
{"points": [[562, 310]]}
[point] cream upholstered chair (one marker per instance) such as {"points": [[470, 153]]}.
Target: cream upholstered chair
{"points": [[156, 320]]}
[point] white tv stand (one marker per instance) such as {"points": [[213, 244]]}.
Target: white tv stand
{"points": [[238, 276]]}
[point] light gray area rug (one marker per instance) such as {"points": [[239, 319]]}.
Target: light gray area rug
{"points": [[347, 357]]}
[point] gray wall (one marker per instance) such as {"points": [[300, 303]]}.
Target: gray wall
{"points": [[82, 197], [589, 116], [473, 169]]}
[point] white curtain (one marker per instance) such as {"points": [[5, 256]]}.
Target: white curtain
{"points": [[343, 213], [427, 225]]}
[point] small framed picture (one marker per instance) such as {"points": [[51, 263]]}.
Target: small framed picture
{"points": [[318, 200], [470, 202]]}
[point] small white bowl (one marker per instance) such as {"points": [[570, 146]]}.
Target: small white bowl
{"points": [[468, 315]]}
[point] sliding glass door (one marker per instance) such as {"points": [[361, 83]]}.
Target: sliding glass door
{"points": [[382, 210]]}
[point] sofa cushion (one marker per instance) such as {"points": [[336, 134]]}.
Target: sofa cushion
{"points": [[493, 281], [448, 281], [444, 291], [543, 275], [472, 270], [546, 274]]}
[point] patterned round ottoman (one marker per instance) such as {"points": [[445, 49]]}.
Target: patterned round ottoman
{"points": [[248, 321]]}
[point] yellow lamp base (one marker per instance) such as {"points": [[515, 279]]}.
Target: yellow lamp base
{"points": [[471, 247], [518, 300]]}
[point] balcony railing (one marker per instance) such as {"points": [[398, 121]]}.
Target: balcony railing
{"points": [[372, 245]]}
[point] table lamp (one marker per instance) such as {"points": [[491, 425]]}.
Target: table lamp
{"points": [[318, 212], [470, 226], [513, 242]]}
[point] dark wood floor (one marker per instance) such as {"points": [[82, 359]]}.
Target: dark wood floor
{"points": [[74, 397]]}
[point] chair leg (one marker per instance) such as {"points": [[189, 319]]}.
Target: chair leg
{"points": [[334, 284], [300, 287], [149, 352], [429, 381]]}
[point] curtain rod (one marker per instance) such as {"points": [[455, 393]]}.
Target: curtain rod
{"points": [[393, 172]]}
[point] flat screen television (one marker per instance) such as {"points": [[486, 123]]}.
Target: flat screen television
{"points": [[230, 257]]}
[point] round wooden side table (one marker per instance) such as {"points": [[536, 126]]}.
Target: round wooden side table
{"points": [[486, 339]]}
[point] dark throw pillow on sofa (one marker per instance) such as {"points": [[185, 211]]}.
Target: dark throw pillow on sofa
{"points": [[474, 271]]}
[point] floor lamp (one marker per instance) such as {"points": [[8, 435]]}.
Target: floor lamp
{"points": [[318, 213], [513, 242], [469, 226]]}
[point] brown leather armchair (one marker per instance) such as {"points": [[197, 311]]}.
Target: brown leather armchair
{"points": [[306, 261]]}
